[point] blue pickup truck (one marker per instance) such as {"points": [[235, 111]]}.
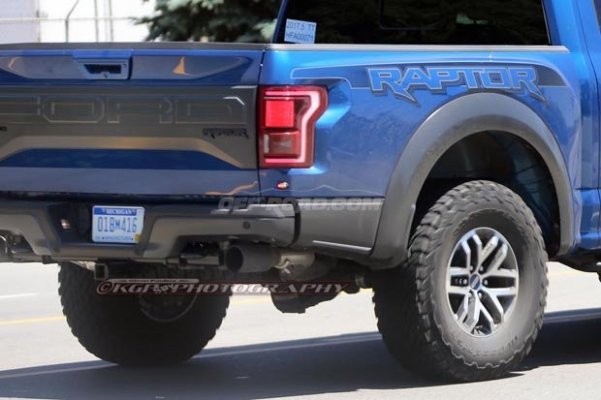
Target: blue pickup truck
{"points": [[439, 152]]}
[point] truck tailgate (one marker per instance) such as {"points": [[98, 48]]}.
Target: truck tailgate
{"points": [[152, 119]]}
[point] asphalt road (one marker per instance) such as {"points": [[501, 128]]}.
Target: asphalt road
{"points": [[333, 351]]}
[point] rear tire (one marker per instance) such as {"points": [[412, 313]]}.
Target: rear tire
{"points": [[116, 328], [438, 314]]}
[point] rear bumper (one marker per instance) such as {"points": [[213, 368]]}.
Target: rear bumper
{"points": [[164, 226], [322, 226]]}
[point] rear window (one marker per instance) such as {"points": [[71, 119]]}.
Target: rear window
{"points": [[452, 22]]}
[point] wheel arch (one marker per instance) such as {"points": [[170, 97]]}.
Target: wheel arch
{"points": [[449, 125]]}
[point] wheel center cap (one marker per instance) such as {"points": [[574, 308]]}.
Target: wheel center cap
{"points": [[475, 282]]}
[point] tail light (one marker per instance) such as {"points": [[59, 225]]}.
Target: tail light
{"points": [[287, 117]]}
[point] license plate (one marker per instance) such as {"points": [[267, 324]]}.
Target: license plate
{"points": [[117, 224]]}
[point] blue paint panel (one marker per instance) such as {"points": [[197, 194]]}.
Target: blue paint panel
{"points": [[151, 67], [360, 137], [116, 159]]}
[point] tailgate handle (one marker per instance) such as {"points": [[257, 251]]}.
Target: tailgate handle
{"points": [[103, 69]]}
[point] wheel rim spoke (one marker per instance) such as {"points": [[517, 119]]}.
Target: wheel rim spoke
{"points": [[463, 309], [458, 290], [503, 273], [468, 254], [497, 260], [459, 271], [495, 306], [502, 292], [490, 247], [489, 319], [482, 281], [479, 260], [473, 316]]}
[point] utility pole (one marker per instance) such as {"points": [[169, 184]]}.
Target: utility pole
{"points": [[67, 18], [111, 21], [38, 21], [96, 22]]}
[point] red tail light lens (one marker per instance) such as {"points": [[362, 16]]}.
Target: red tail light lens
{"points": [[287, 117]]}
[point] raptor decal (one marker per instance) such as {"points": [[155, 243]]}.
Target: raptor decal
{"points": [[403, 82]]}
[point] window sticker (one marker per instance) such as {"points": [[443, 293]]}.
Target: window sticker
{"points": [[300, 32]]}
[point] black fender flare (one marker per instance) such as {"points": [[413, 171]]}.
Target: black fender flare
{"points": [[456, 120]]}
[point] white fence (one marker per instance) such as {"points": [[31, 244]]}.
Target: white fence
{"points": [[73, 20], [73, 30]]}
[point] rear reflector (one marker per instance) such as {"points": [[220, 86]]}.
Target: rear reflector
{"points": [[287, 117]]}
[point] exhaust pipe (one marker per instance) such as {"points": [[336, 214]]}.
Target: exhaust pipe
{"points": [[262, 258], [249, 258]]}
